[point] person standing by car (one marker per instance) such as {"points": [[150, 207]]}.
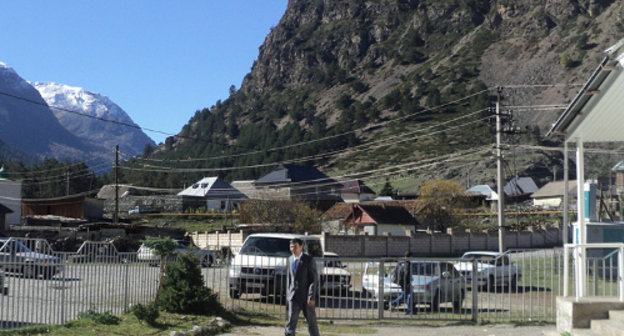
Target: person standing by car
{"points": [[403, 277], [301, 289]]}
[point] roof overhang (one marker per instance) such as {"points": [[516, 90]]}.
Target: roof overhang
{"points": [[595, 114]]}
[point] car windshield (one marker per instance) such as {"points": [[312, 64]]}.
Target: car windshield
{"points": [[423, 269], [14, 246], [183, 243], [266, 246], [484, 258]]}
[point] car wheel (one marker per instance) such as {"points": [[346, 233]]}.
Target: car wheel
{"points": [[29, 271], [234, 294], [207, 261], [457, 305], [435, 304], [492, 283], [514, 282]]}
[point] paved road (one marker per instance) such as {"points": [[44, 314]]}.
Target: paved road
{"points": [[407, 330]]}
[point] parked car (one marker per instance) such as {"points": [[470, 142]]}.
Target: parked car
{"points": [[142, 209], [4, 289], [370, 281], [261, 264], [205, 257], [16, 257], [493, 269], [433, 283], [335, 279]]}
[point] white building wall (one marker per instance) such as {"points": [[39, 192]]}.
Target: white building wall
{"points": [[395, 230], [11, 197], [547, 202]]}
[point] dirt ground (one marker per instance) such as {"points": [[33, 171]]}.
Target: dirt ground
{"points": [[410, 330]]}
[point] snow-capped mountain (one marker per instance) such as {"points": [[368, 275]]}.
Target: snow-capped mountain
{"points": [[28, 124], [107, 124]]}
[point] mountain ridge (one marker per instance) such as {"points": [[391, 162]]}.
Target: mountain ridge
{"points": [[35, 130], [331, 67]]}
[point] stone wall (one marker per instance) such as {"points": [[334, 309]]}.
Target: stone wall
{"points": [[420, 244], [165, 203]]}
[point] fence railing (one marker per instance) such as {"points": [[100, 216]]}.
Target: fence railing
{"points": [[53, 287], [596, 270], [45, 286]]}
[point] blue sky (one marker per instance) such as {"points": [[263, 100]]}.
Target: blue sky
{"points": [[159, 60]]}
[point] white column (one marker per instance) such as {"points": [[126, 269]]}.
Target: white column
{"points": [[580, 219]]}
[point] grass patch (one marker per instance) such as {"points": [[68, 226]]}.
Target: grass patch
{"points": [[128, 325]]}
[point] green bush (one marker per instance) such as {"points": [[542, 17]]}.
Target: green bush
{"points": [[183, 289], [99, 318], [148, 313]]}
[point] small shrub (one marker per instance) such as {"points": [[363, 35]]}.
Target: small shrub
{"points": [[566, 61], [183, 289], [99, 318], [147, 313]]}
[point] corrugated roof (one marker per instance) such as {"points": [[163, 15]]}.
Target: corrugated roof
{"points": [[519, 186], [485, 190], [554, 189], [356, 187], [388, 214], [212, 187], [288, 173]]}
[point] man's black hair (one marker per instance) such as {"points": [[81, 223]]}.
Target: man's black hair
{"points": [[297, 241]]}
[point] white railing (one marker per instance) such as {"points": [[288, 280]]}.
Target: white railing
{"points": [[590, 267]]}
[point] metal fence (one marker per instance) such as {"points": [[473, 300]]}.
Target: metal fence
{"points": [[54, 287], [598, 274], [499, 293], [45, 286]]}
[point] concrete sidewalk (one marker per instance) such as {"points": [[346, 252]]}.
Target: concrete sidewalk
{"points": [[411, 330]]}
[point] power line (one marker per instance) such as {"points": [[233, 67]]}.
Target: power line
{"points": [[358, 148]]}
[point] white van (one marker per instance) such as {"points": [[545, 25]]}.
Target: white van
{"points": [[261, 264]]}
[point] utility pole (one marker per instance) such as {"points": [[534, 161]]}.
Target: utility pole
{"points": [[499, 175], [116, 213]]}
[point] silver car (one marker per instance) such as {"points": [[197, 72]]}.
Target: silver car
{"points": [[433, 283], [436, 282], [16, 257]]}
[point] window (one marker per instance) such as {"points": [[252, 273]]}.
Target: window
{"points": [[195, 186], [313, 247]]}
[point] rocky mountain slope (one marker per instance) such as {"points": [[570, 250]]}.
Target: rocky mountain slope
{"points": [[356, 86], [28, 124], [65, 98], [30, 129]]}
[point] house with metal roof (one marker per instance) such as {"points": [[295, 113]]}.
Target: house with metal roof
{"points": [[551, 194], [213, 193], [297, 183], [377, 219], [520, 188], [355, 191]]}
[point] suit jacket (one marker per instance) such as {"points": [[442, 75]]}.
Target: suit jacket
{"points": [[302, 285]]}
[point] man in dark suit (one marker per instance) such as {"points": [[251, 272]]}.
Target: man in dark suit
{"points": [[301, 289]]}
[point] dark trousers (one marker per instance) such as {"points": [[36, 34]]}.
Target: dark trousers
{"points": [[293, 316]]}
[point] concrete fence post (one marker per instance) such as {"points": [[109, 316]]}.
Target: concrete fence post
{"points": [[449, 232]]}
